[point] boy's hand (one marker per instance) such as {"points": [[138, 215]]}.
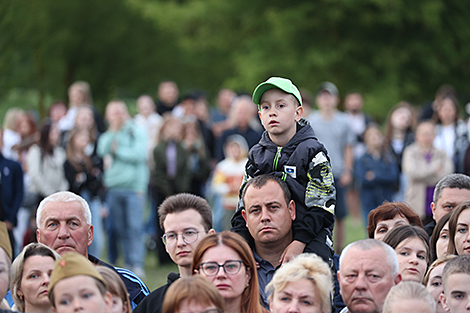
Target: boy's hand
{"points": [[294, 249]]}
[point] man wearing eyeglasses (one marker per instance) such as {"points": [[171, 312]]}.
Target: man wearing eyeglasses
{"points": [[185, 220]]}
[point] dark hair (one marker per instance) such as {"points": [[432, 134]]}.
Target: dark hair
{"points": [[388, 123], [261, 180], [436, 233], [454, 101], [403, 232], [451, 249], [44, 142], [388, 211], [185, 201]]}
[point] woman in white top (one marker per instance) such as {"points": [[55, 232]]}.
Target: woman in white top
{"points": [[451, 131]]}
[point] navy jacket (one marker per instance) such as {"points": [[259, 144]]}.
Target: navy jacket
{"points": [[11, 190]]}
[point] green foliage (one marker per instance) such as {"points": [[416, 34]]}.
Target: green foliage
{"points": [[388, 49]]}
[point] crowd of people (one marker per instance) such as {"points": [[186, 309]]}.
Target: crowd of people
{"points": [[249, 204]]}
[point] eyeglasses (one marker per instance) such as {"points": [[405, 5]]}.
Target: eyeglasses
{"points": [[231, 267], [189, 236], [216, 310]]}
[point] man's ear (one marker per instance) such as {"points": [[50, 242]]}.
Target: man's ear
{"points": [[443, 299], [90, 234], [397, 278], [433, 209], [211, 231], [291, 208], [38, 235], [244, 214]]}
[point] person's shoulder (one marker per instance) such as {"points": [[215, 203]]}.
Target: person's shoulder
{"points": [[135, 286]]}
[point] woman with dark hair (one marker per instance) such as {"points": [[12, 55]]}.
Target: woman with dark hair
{"points": [[30, 276], [451, 131], [193, 294], [399, 134], [45, 162], [388, 216], [459, 223], [227, 261], [440, 238], [412, 248]]}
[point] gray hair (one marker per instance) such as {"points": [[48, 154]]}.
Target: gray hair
{"points": [[459, 181], [64, 196], [369, 244], [408, 290]]}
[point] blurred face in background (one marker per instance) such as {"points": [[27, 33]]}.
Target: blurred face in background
{"points": [[85, 118], [54, 136], [447, 111], [145, 105], [168, 92], [373, 138], [354, 102], [425, 135], [401, 119]]}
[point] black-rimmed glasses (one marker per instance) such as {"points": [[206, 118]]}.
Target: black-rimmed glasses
{"points": [[230, 267], [189, 236]]}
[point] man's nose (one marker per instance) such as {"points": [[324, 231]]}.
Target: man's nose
{"points": [[63, 231], [361, 283], [180, 241], [265, 217]]}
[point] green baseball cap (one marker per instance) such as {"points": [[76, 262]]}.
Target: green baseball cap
{"points": [[276, 82]]}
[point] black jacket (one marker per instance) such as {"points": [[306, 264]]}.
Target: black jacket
{"points": [[153, 302], [304, 165]]}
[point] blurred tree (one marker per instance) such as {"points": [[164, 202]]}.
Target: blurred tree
{"points": [[388, 49]]}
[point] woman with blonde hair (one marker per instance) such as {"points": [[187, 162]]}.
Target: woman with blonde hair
{"points": [[305, 282], [190, 294], [30, 276], [228, 262]]}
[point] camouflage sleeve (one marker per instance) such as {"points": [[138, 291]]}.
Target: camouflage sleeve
{"points": [[320, 197]]}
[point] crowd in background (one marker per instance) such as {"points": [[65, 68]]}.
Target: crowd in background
{"points": [[193, 147], [399, 173]]}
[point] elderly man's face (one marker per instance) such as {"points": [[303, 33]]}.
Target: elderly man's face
{"points": [[267, 215], [365, 278], [63, 227]]}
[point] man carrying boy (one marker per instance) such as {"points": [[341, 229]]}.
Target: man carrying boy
{"points": [[455, 277], [289, 150], [185, 220]]}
